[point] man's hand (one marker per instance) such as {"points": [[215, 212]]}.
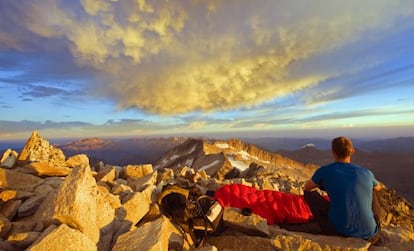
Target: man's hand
{"points": [[310, 185]]}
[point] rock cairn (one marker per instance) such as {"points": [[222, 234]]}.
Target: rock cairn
{"points": [[50, 202]]}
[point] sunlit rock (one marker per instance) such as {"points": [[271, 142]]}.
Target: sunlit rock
{"points": [[139, 184], [106, 174], [136, 171], [64, 238], [252, 224], [240, 242], [46, 169], [8, 159], [137, 206], [155, 235], [76, 205], [77, 160], [290, 241], [37, 149]]}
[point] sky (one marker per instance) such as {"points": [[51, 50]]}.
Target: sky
{"points": [[228, 68]]}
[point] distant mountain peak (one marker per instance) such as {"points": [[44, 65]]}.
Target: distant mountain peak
{"points": [[88, 144], [309, 145]]}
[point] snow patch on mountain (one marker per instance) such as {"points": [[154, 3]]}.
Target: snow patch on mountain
{"points": [[189, 162], [238, 164], [222, 145], [192, 150], [174, 157], [210, 165]]}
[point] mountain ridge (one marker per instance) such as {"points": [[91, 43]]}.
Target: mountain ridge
{"points": [[113, 206], [391, 166], [233, 154]]}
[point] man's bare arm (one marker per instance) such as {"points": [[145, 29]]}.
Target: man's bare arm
{"points": [[310, 185], [379, 186]]}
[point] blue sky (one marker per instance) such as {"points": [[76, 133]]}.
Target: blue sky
{"points": [[225, 68]]}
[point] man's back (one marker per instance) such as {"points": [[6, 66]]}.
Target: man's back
{"points": [[350, 191]]}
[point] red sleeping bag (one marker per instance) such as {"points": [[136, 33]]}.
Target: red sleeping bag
{"points": [[276, 207]]}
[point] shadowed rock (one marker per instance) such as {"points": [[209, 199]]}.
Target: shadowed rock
{"points": [[5, 226], [18, 181], [30, 205], [23, 240]]}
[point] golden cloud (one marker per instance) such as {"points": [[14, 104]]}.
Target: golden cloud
{"points": [[172, 57]]}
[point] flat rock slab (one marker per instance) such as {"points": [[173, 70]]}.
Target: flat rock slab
{"points": [[64, 238]]}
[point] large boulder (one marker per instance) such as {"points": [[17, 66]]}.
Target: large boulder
{"points": [[159, 234], [37, 149], [76, 204], [137, 206], [77, 160]]}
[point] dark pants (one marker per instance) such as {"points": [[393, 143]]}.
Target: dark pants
{"points": [[319, 207]]}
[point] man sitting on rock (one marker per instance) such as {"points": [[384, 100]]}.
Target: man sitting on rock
{"points": [[350, 209]]}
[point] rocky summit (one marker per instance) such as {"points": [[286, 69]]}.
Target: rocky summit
{"points": [[52, 202]]}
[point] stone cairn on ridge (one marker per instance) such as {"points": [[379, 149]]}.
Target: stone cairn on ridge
{"points": [[48, 202]]}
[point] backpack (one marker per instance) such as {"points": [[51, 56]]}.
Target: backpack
{"points": [[193, 213]]}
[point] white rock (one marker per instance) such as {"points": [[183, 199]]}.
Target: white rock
{"points": [[9, 158]]}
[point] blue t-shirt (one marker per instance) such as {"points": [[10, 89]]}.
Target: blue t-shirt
{"points": [[350, 191]]}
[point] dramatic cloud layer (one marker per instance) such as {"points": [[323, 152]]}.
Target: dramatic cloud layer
{"points": [[172, 57], [121, 67]]}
